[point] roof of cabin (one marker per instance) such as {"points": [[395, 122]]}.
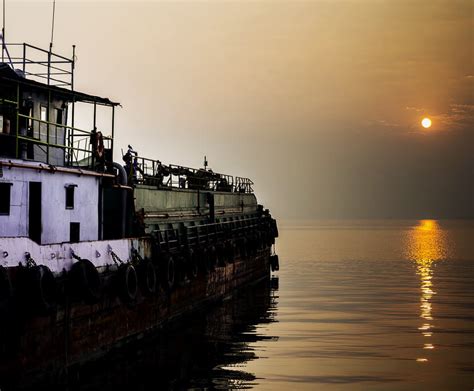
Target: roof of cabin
{"points": [[7, 73]]}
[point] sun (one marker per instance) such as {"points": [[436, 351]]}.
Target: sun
{"points": [[426, 123]]}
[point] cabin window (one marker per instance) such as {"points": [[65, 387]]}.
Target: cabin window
{"points": [[56, 138], [44, 113], [5, 195], [70, 196], [4, 125], [27, 111], [59, 116], [30, 118], [74, 232]]}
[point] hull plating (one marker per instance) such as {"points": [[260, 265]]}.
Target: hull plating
{"points": [[77, 332]]}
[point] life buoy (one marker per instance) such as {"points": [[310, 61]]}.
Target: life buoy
{"points": [[40, 289], [5, 289], [147, 276], [98, 144], [84, 281], [127, 282], [167, 272]]}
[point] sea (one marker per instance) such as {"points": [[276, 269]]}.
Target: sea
{"points": [[355, 305], [370, 305]]}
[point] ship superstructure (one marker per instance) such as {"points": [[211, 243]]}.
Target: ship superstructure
{"points": [[92, 251]]}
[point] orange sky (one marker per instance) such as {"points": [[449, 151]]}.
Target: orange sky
{"points": [[320, 102]]}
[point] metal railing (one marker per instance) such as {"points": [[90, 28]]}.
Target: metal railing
{"points": [[47, 141], [40, 64], [25, 136], [152, 172], [75, 143]]}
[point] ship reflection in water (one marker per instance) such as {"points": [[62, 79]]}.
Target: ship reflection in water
{"points": [[426, 245], [202, 351]]}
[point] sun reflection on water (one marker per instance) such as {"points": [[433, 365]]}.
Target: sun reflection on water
{"points": [[426, 245]]}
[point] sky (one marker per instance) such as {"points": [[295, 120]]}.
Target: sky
{"points": [[318, 102]]}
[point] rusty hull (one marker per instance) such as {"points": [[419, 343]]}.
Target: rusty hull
{"points": [[78, 332]]}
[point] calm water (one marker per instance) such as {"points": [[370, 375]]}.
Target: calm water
{"points": [[371, 306], [356, 306]]}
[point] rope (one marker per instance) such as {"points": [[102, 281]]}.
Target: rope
{"points": [[73, 254], [116, 259]]}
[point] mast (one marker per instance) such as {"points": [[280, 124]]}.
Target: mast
{"points": [[3, 33]]}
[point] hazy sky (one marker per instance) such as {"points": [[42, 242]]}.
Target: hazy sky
{"points": [[319, 102]]}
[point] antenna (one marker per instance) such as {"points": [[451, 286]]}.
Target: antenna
{"points": [[52, 26], [3, 33], [205, 163]]}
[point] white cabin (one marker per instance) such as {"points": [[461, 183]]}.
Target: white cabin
{"points": [[48, 205]]}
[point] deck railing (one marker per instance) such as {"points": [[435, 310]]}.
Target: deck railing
{"points": [[40, 64], [152, 172], [58, 143], [25, 136]]}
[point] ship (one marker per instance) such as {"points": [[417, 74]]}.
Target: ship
{"points": [[96, 253]]}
